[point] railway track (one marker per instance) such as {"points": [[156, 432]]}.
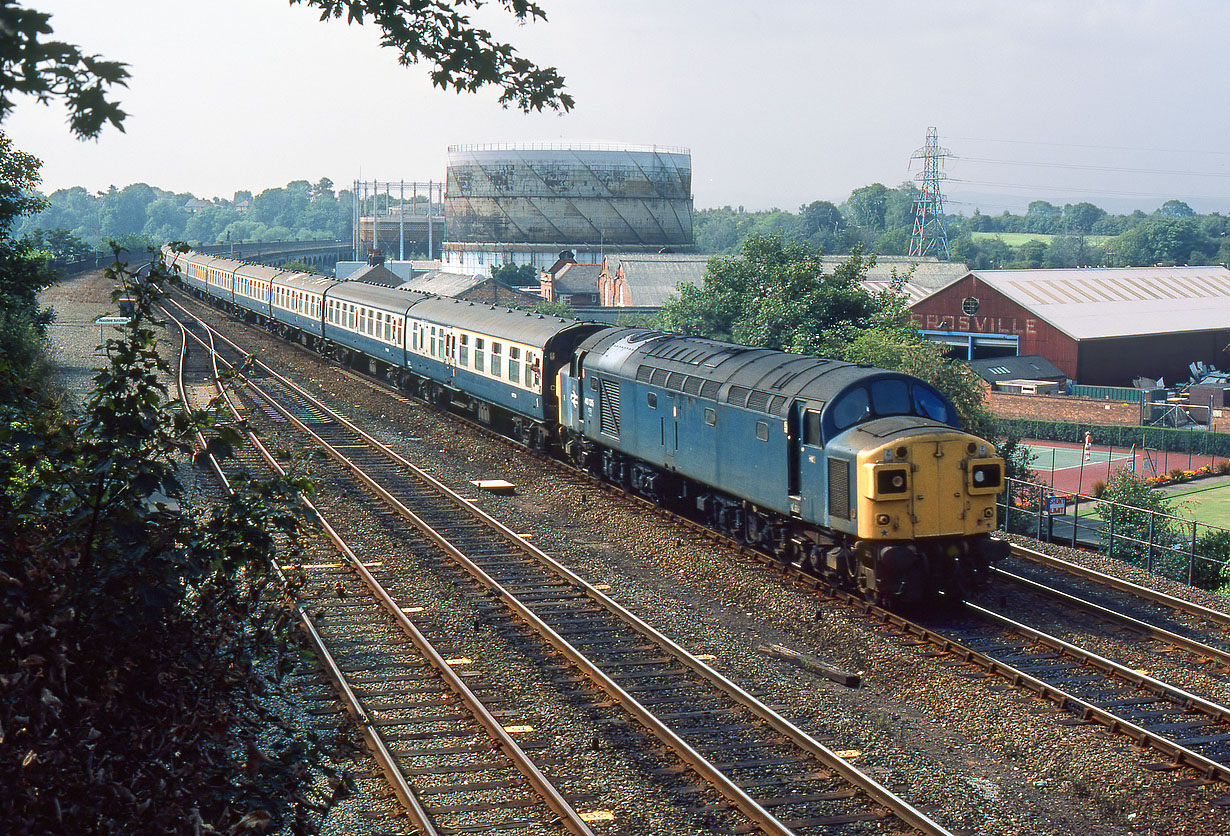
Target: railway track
{"points": [[405, 697], [778, 778]]}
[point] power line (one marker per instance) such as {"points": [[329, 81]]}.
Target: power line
{"points": [[1081, 190], [1085, 167], [1096, 147]]}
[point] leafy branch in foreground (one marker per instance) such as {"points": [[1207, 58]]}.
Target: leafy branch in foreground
{"points": [[133, 627], [465, 58]]}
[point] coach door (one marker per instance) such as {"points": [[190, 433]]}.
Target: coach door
{"points": [[449, 338]]}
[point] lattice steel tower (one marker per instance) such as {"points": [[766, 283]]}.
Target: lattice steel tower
{"points": [[930, 237]]}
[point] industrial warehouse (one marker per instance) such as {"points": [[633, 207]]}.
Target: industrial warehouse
{"points": [[1101, 326]]}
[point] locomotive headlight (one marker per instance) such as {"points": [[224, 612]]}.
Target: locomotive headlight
{"points": [[891, 481], [986, 476]]}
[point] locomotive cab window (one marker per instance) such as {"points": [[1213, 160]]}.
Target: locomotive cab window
{"points": [[930, 405], [890, 397], [811, 428], [853, 407]]}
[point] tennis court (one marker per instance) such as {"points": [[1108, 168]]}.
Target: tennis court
{"points": [[1065, 468]]}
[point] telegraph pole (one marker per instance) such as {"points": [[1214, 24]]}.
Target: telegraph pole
{"points": [[930, 237]]}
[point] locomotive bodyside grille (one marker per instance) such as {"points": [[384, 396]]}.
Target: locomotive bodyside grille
{"points": [[608, 403], [839, 488]]}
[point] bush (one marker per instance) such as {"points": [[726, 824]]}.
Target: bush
{"points": [[1223, 467], [1178, 474], [1212, 566], [1098, 488]]}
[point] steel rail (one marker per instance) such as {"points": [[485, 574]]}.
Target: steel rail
{"points": [[1087, 711], [1181, 754], [569, 818], [1121, 585], [874, 790], [350, 700], [1192, 646]]}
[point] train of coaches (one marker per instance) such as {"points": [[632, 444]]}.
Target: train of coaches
{"points": [[858, 474]]}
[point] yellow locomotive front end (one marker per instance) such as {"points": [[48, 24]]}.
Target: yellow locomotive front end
{"points": [[928, 486], [923, 504]]}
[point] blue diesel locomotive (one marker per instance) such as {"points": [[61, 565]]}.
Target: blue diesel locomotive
{"points": [[858, 474]]}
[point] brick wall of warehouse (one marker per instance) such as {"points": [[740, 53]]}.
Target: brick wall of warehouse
{"points": [[1060, 408]]}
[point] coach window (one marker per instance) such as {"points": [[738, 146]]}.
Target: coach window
{"points": [[533, 370], [497, 358], [514, 364], [762, 430], [380, 333], [463, 351], [433, 341], [350, 316], [480, 354]]}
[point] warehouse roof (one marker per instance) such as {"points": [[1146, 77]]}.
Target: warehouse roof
{"points": [[1097, 303]]}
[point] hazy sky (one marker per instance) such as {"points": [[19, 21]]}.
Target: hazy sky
{"points": [[1119, 102]]}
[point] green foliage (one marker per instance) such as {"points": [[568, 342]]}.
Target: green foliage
{"points": [[775, 295], [33, 65], [515, 275], [1212, 568], [1143, 517], [139, 216], [130, 625], [299, 267], [556, 308], [463, 57]]}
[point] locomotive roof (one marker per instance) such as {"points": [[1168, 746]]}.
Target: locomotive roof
{"points": [[758, 378]]}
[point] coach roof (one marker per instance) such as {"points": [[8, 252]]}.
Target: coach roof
{"points": [[505, 323]]}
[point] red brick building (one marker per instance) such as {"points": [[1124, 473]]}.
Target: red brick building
{"points": [[1099, 326]]}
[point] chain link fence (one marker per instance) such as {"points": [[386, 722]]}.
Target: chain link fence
{"points": [[1180, 549]]}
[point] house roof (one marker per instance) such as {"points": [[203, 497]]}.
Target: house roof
{"points": [[376, 274], [654, 277], [1098, 303], [578, 278], [927, 274], [444, 283]]}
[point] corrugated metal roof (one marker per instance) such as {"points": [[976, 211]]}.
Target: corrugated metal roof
{"points": [[444, 283], [913, 292], [1098, 303]]}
